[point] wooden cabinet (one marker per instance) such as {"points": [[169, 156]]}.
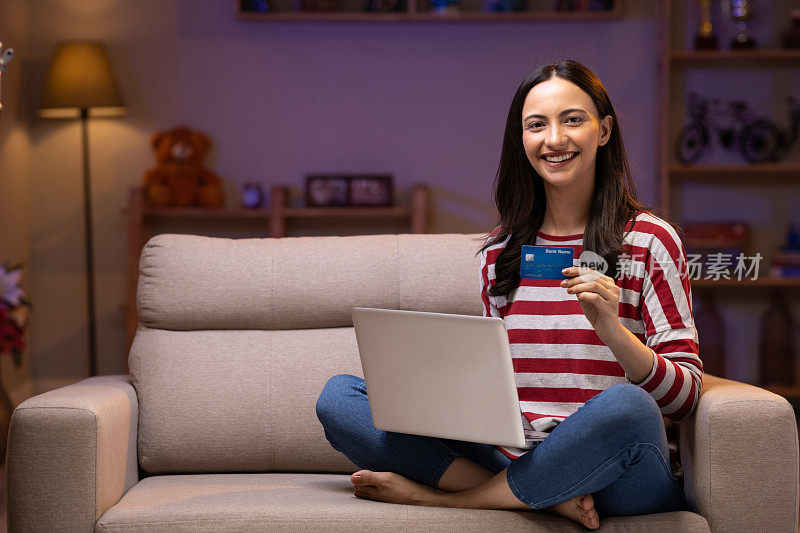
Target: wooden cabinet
{"points": [[272, 222], [420, 11]]}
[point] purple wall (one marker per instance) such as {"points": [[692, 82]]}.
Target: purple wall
{"points": [[426, 102]]}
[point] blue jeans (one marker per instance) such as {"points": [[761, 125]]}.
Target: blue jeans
{"points": [[614, 447]]}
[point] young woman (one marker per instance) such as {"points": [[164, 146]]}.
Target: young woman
{"points": [[601, 363]]}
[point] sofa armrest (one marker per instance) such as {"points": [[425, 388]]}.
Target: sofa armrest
{"points": [[739, 454], [71, 455]]}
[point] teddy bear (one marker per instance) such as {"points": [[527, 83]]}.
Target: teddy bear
{"points": [[180, 178]]}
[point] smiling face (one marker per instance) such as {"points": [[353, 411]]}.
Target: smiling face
{"points": [[559, 118]]}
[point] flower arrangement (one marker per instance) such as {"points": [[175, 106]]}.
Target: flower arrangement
{"points": [[13, 312]]}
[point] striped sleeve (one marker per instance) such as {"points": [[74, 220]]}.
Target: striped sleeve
{"points": [[676, 377], [486, 274]]}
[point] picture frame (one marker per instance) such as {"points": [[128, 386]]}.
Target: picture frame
{"points": [[326, 190], [373, 191], [351, 190]]}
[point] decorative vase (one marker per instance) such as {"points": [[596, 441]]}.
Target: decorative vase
{"points": [[252, 195]]}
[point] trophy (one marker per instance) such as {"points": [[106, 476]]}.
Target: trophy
{"points": [[705, 39], [742, 11]]}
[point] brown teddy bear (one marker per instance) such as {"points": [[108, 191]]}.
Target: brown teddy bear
{"points": [[180, 178]]}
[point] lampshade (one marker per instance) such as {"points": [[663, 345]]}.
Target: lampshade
{"points": [[80, 77]]}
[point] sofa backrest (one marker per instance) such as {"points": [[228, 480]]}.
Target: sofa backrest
{"points": [[237, 337]]}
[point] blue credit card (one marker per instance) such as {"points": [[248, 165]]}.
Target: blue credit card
{"points": [[545, 262]]}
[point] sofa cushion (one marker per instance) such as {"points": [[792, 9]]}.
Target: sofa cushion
{"points": [[325, 502], [237, 400], [192, 282]]}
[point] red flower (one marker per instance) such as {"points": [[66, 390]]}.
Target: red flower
{"points": [[11, 335]]}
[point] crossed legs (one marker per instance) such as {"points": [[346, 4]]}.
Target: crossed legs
{"points": [[465, 485], [609, 457]]}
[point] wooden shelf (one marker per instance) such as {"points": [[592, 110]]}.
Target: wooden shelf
{"points": [[771, 170], [204, 212], [724, 58], [413, 13], [417, 212], [313, 212], [340, 16], [290, 212], [766, 282], [463, 16]]}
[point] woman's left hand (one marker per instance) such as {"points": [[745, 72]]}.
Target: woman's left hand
{"points": [[597, 293]]}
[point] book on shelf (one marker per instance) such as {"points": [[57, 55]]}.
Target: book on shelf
{"points": [[786, 261], [715, 234], [707, 239]]}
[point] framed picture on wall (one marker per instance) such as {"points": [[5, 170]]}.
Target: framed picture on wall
{"points": [[326, 190], [371, 190]]}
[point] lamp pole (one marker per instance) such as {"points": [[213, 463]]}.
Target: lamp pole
{"points": [[87, 215]]}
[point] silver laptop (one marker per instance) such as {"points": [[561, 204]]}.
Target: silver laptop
{"points": [[440, 375]]}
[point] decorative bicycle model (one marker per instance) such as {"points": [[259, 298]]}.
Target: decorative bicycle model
{"points": [[756, 138]]}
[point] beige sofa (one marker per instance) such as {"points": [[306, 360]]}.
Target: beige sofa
{"points": [[215, 428]]}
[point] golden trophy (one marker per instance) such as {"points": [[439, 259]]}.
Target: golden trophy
{"points": [[742, 11], [705, 39]]}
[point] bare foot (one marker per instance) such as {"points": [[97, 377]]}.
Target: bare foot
{"points": [[392, 488], [584, 513]]}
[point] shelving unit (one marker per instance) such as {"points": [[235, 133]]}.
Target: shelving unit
{"points": [[419, 11], [673, 61], [766, 282], [416, 213], [270, 222], [775, 171], [732, 57], [676, 60]]}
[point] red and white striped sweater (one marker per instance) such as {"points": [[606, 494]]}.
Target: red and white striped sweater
{"points": [[560, 362]]}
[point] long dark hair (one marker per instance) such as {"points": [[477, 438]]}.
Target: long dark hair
{"points": [[519, 192]]}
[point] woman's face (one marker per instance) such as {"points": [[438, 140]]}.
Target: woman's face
{"points": [[558, 118]]}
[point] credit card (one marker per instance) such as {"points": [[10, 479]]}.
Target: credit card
{"points": [[545, 262]]}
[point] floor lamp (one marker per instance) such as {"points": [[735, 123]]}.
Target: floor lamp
{"points": [[80, 83]]}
